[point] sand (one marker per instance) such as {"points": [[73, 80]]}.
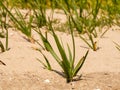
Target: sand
{"points": [[22, 71]]}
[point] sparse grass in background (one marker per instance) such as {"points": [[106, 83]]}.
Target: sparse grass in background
{"points": [[61, 27], [89, 16], [20, 22], [25, 26], [112, 8], [83, 21], [40, 12]]}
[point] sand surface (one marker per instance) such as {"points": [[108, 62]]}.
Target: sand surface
{"points": [[22, 71]]}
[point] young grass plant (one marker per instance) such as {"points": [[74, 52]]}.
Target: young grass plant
{"points": [[67, 63], [21, 24]]}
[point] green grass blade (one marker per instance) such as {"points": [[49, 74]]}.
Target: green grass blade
{"points": [[30, 24], [59, 46], [118, 48], [49, 47], [47, 65], [73, 41], [70, 56], [77, 25], [6, 39], [117, 45], [20, 16], [80, 64], [86, 42], [93, 43], [71, 62], [2, 47], [24, 26], [65, 62], [103, 33], [62, 44]]}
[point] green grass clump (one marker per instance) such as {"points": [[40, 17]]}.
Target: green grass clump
{"points": [[83, 18], [23, 25], [89, 15], [20, 23], [67, 63]]}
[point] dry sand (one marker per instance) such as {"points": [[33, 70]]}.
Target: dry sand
{"points": [[22, 71]]}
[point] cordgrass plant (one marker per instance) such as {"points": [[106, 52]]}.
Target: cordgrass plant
{"points": [[23, 25], [20, 23], [67, 63]]}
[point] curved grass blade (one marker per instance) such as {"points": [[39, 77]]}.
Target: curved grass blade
{"points": [[86, 42], [47, 65], [49, 47], [80, 64]]}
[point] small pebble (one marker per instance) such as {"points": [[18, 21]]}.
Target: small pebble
{"points": [[10, 78], [11, 34], [47, 81]]}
